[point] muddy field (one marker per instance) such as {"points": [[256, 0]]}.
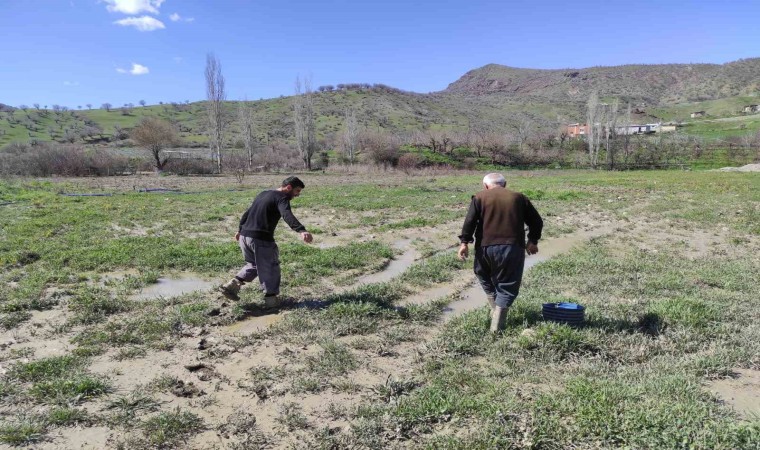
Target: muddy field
{"points": [[114, 335]]}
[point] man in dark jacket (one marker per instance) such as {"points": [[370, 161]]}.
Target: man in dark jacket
{"points": [[497, 219], [256, 239]]}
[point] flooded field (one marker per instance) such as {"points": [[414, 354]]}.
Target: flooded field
{"points": [[114, 334]]}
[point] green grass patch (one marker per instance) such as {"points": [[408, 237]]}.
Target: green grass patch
{"points": [[46, 369], [21, 431], [66, 416], [171, 429], [69, 390], [333, 359]]}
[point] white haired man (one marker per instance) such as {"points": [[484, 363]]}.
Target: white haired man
{"points": [[496, 219]]}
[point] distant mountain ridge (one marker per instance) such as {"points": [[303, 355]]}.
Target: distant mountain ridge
{"points": [[657, 84]]}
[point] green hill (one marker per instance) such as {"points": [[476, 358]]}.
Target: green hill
{"points": [[494, 97]]}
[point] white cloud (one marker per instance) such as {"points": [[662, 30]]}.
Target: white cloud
{"points": [[134, 6], [144, 23], [137, 69], [176, 18], [71, 83]]}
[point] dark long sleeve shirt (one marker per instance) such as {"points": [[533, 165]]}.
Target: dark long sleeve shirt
{"points": [[498, 216], [261, 218]]}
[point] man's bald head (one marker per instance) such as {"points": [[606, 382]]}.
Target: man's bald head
{"points": [[494, 180]]}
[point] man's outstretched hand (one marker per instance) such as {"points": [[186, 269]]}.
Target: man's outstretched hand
{"points": [[464, 252], [237, 236], [307, 237], [531, 248]]}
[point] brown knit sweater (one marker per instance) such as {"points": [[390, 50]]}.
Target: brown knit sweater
{"points": [[498, 216]]}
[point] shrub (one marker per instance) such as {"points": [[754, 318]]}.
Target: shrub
{"points": [[46, 159], [408, 162], [382, 148]]}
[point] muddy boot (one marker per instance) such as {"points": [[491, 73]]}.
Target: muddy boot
{"points": [[231, 288], [492, 301], [272, 301], [498, 319]]}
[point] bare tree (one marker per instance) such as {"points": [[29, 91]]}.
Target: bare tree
{"points": [[142, 103], [246, 128], [155, 135], [626, 132], [522, 127], [89, 105], [106, 106], [593, 128], [350, 139], [303, 114], [610, 125], [215, 95]]}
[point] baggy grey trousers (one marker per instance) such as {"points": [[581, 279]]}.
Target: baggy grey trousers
{"points": [[263, 260], [499, 269]]}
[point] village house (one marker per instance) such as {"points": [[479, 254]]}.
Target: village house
{"points": [[575, 129], [637, 129], [752, 108], [696, 114], [648, 128]]}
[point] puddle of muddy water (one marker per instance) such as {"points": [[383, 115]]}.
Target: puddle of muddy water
{"points": [[430, 294], [172, 287], [741, 393], [395, 267], [253, 324]]}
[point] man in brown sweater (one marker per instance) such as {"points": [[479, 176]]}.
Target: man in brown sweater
{"points": [[497, 219]]}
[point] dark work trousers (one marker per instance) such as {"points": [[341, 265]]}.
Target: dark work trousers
{"points": [[263, 260], [499, 269]]}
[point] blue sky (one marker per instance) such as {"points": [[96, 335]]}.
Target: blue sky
{"points": [[74, 52]]}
